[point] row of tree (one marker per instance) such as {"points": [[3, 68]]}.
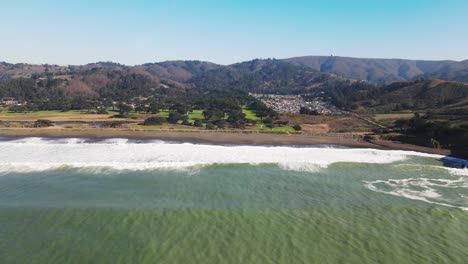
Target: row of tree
{"points": [[436, 133]]}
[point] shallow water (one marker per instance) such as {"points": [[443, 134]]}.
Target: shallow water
{"points": [[119, 201]]}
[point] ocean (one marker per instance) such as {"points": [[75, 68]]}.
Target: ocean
{"points": [[130, 201]]}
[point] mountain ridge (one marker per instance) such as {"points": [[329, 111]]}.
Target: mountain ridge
{"points": [[183, 72]]}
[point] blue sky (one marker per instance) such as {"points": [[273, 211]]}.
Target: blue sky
{"points": [[228, 31]]}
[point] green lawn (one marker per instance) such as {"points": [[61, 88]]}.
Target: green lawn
{"points": [[164, 113], [196, 114], [56, 116], [283, 128], [250, 114], [192, 115], [199, 114], [265, 128]]}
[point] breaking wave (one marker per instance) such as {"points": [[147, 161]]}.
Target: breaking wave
{"points": [[39, 154], [434, 191]]}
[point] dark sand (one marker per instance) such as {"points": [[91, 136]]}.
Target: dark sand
{"points": [[214, 137]]}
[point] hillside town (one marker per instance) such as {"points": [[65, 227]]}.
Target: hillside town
{"points": [[294, 103]]}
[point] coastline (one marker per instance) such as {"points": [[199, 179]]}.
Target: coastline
{"points": [[217, 137]]}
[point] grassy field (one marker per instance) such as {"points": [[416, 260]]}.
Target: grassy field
{"points": [[265, 128], [52, 112], [195, 114], [56, 116], [393, 116], [84, 116], [249, 114]]}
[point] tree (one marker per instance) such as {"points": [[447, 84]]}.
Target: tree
{"points": [[124, 108], [262, 114], [197, 122], [236, 119], [153, 108], [213, 114], [174, 117], [108, 102], [268, 122], [220, 123], [181, 108], [140, 108]]}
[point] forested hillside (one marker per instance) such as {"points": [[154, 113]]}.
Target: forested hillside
{"points": [[334, 78]]}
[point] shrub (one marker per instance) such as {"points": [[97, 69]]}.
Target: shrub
{"points": [[113, 124], [43, 123], [102, 111], [210, 126], [18, 109], [154, 121], [297, 127]]}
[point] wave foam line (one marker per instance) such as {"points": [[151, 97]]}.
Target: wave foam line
{"points": [[422, 189], [38, 154]]}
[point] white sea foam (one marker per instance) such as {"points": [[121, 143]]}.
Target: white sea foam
{"points": [[38, 154], [424, 189], [453, 171]]}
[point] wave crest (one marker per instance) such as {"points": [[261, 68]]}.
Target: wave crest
{"points": [[39, 154]]}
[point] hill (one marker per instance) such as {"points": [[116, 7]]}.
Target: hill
{"points": [[420, 95], [263, 76], [179, 71], [385, 71], [435, 95], [250, 73]]}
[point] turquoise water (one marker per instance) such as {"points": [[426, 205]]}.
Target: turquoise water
{"points": [[411, 210]]}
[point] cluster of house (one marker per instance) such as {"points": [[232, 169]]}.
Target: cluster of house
{"points": [[9, 101], [294, 103]]}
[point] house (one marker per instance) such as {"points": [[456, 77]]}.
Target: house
{"points": [[9, 101]]}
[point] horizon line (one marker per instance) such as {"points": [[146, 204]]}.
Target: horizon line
{"points": [[198, 60]]}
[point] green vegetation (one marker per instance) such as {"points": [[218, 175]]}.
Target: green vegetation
{"points": [[195, 114], [155, 120], [393, 116], [297, 127], [249, 114], [283, 128], [422, 130], [43, 123], [201, 95]]}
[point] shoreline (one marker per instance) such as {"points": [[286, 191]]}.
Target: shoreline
{"points": [[220, 138]]}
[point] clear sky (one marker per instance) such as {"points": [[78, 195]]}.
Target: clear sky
{"points": [[227, 31]]}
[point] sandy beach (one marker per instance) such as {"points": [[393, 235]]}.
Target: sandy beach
{"points": [[217, 137]]}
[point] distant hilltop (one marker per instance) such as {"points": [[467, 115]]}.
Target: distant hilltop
{"points": [[183, 73]]}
